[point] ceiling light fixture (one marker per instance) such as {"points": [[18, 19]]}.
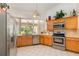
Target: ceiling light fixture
{"points": [[36, 13]]}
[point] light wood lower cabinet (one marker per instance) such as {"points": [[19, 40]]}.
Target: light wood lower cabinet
{"points": [[41, 39], [29, 40], [72, 44], [23, 40], [18, 41], [46, 40]]}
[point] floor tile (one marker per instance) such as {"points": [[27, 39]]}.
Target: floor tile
{"points": [[41, 50]]}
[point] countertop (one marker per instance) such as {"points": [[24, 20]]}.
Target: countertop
{"points": [[36, 34], [68, 33], [72, 33], [24, 35]]}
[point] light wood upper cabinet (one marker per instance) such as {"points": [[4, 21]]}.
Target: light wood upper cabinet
{"points": [[61, 20], [71, 23], [50, 25], [72, 44]]}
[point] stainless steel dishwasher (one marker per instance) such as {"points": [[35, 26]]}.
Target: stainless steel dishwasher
{"points": [[35, 39]]}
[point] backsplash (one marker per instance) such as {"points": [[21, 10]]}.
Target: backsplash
{"points": [[72, 33], [78, 22]]}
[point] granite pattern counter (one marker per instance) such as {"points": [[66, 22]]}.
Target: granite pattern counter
{"points": [[72, 33]]}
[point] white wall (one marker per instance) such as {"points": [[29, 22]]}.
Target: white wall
{"points": [[67, 7], [78, 13]]}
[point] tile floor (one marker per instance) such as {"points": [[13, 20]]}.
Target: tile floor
{"points": [[41, 50]]}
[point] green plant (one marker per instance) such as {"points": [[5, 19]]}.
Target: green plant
{"points": [[26, 30], [60, 14], [4, 5]]}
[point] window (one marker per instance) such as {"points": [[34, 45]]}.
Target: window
{"points": [[26, 27]]}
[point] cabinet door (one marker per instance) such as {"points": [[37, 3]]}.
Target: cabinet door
{"points": [[41, 40], [23, 41], [18, 41], [61, 20], [77, 46], [50, 25], [28, 40], [48, 40], [71, 45], [71, 23]]}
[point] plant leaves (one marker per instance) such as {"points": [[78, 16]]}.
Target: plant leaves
{"points": [[4, 5]]}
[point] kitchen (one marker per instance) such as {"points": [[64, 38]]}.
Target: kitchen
{"points": [[41, 31]]}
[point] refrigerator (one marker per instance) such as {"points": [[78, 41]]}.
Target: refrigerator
{"points": [[7, 35]]}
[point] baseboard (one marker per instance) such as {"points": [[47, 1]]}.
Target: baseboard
{"points": [[72, 51], [37, 44]]}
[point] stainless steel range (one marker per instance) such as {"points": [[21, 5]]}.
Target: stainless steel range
{"points": [[59, 36], [59, 40]]}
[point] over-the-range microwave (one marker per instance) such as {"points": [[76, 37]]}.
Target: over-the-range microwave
{"points": [[58, 26]]}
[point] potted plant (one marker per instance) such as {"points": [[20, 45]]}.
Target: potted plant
{"points": [[3, 7], [60, 14]]}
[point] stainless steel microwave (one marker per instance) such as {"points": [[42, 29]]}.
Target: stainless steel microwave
{"points": [[58, 26]]}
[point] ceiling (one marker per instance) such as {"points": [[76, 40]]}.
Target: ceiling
{"points": [[25, 10]]}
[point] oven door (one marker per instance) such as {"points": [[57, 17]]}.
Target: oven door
{"points": [[59, 41]]}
